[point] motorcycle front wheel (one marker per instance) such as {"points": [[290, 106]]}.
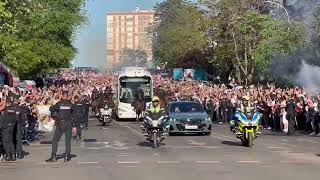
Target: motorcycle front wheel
{"points": [[155, 139], [250, 139]]}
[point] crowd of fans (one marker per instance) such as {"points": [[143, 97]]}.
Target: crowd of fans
{"points": [[277, 105], [80, 85]]}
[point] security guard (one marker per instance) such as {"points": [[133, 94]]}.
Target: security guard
{"points": [[62, 113], [78, 116], [7, 124], [86, 105]]}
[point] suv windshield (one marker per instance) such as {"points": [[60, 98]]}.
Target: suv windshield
{"points": [[186, 107]]}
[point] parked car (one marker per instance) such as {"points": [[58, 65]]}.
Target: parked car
{"points": [[188, 117]]}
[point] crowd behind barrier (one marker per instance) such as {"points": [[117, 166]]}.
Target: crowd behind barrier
{"points": [[289, 109], [282, 108], [37, 101]]}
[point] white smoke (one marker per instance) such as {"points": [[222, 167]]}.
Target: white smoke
{"points": [[309, 78]]}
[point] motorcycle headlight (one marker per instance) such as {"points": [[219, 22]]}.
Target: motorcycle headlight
{"points": [[155, 123], [208, 119]]}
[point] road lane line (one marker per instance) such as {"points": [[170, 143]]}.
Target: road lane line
{"points": [[168, 162], [207, 162], [129, 162], [272, 147], [248, 161], [88, 162], [125, 155]]}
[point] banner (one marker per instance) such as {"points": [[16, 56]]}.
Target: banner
{"points": [[189, 74], [46, 124], [177, 74], [200, 75]]}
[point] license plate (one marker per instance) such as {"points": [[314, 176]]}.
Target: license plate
{"points": [[191, 127]]}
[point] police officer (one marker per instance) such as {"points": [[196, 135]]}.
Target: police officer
{"points": [[62, 112], [86, 105], [290, 108], [78, 116], [7, 123], [18, 129]]}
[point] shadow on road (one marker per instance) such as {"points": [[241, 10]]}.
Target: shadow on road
{"points": [[231, 143], [148, 144], [318, 155]]}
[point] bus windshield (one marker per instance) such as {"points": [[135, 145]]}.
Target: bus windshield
{"points": [[129, 88]]}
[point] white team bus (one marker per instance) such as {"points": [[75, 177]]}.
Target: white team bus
{"points": [[127, 83]]}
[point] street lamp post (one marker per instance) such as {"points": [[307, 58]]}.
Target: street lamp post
{"points": [[273, 2]]}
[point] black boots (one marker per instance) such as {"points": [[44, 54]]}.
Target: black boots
{"points": [[53, 158], [10, 157], [20, 155], [67, 158]]}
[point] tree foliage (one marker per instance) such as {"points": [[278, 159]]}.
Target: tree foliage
{"points": [[239, 39], [36, 36], [178, 33]]}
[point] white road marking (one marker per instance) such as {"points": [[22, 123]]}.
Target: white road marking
{"points": [[196, 143], [93, 148], [207, 162], [248, 161], [155, 154], [272, 147], [87, 162], [168, 162], [128, 162], [125, 155]]}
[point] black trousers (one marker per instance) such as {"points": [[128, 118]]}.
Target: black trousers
{"points": [[316, 124], [56, 138], [7, 138], [86, 119], [18, 138], [291, 121], [224, 116]]}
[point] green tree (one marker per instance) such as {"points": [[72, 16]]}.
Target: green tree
{"points": [[179, 36], [40, 34], [247, 37]]}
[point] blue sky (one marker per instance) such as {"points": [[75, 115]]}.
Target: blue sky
{"points": [[90, 39]]}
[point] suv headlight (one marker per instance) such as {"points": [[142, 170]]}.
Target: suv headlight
{"points": [[172, 119]]}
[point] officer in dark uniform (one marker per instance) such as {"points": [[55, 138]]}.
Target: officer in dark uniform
{"points": [[224, 108], [291, 113], [7, 124], [62, 113], [78, 116], [86, 105], [18, 129]]}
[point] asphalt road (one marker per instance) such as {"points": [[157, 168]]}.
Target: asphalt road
{"points": [[121, 152]]}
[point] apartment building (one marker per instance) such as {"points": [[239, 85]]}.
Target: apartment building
{"points": [[128, 30]]}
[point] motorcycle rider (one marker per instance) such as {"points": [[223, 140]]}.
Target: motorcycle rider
{"points": [[154, 111], [245, 108]]}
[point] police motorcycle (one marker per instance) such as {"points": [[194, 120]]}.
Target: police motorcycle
{"points": [[154, 129], [105, 115], [245, 125]]}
